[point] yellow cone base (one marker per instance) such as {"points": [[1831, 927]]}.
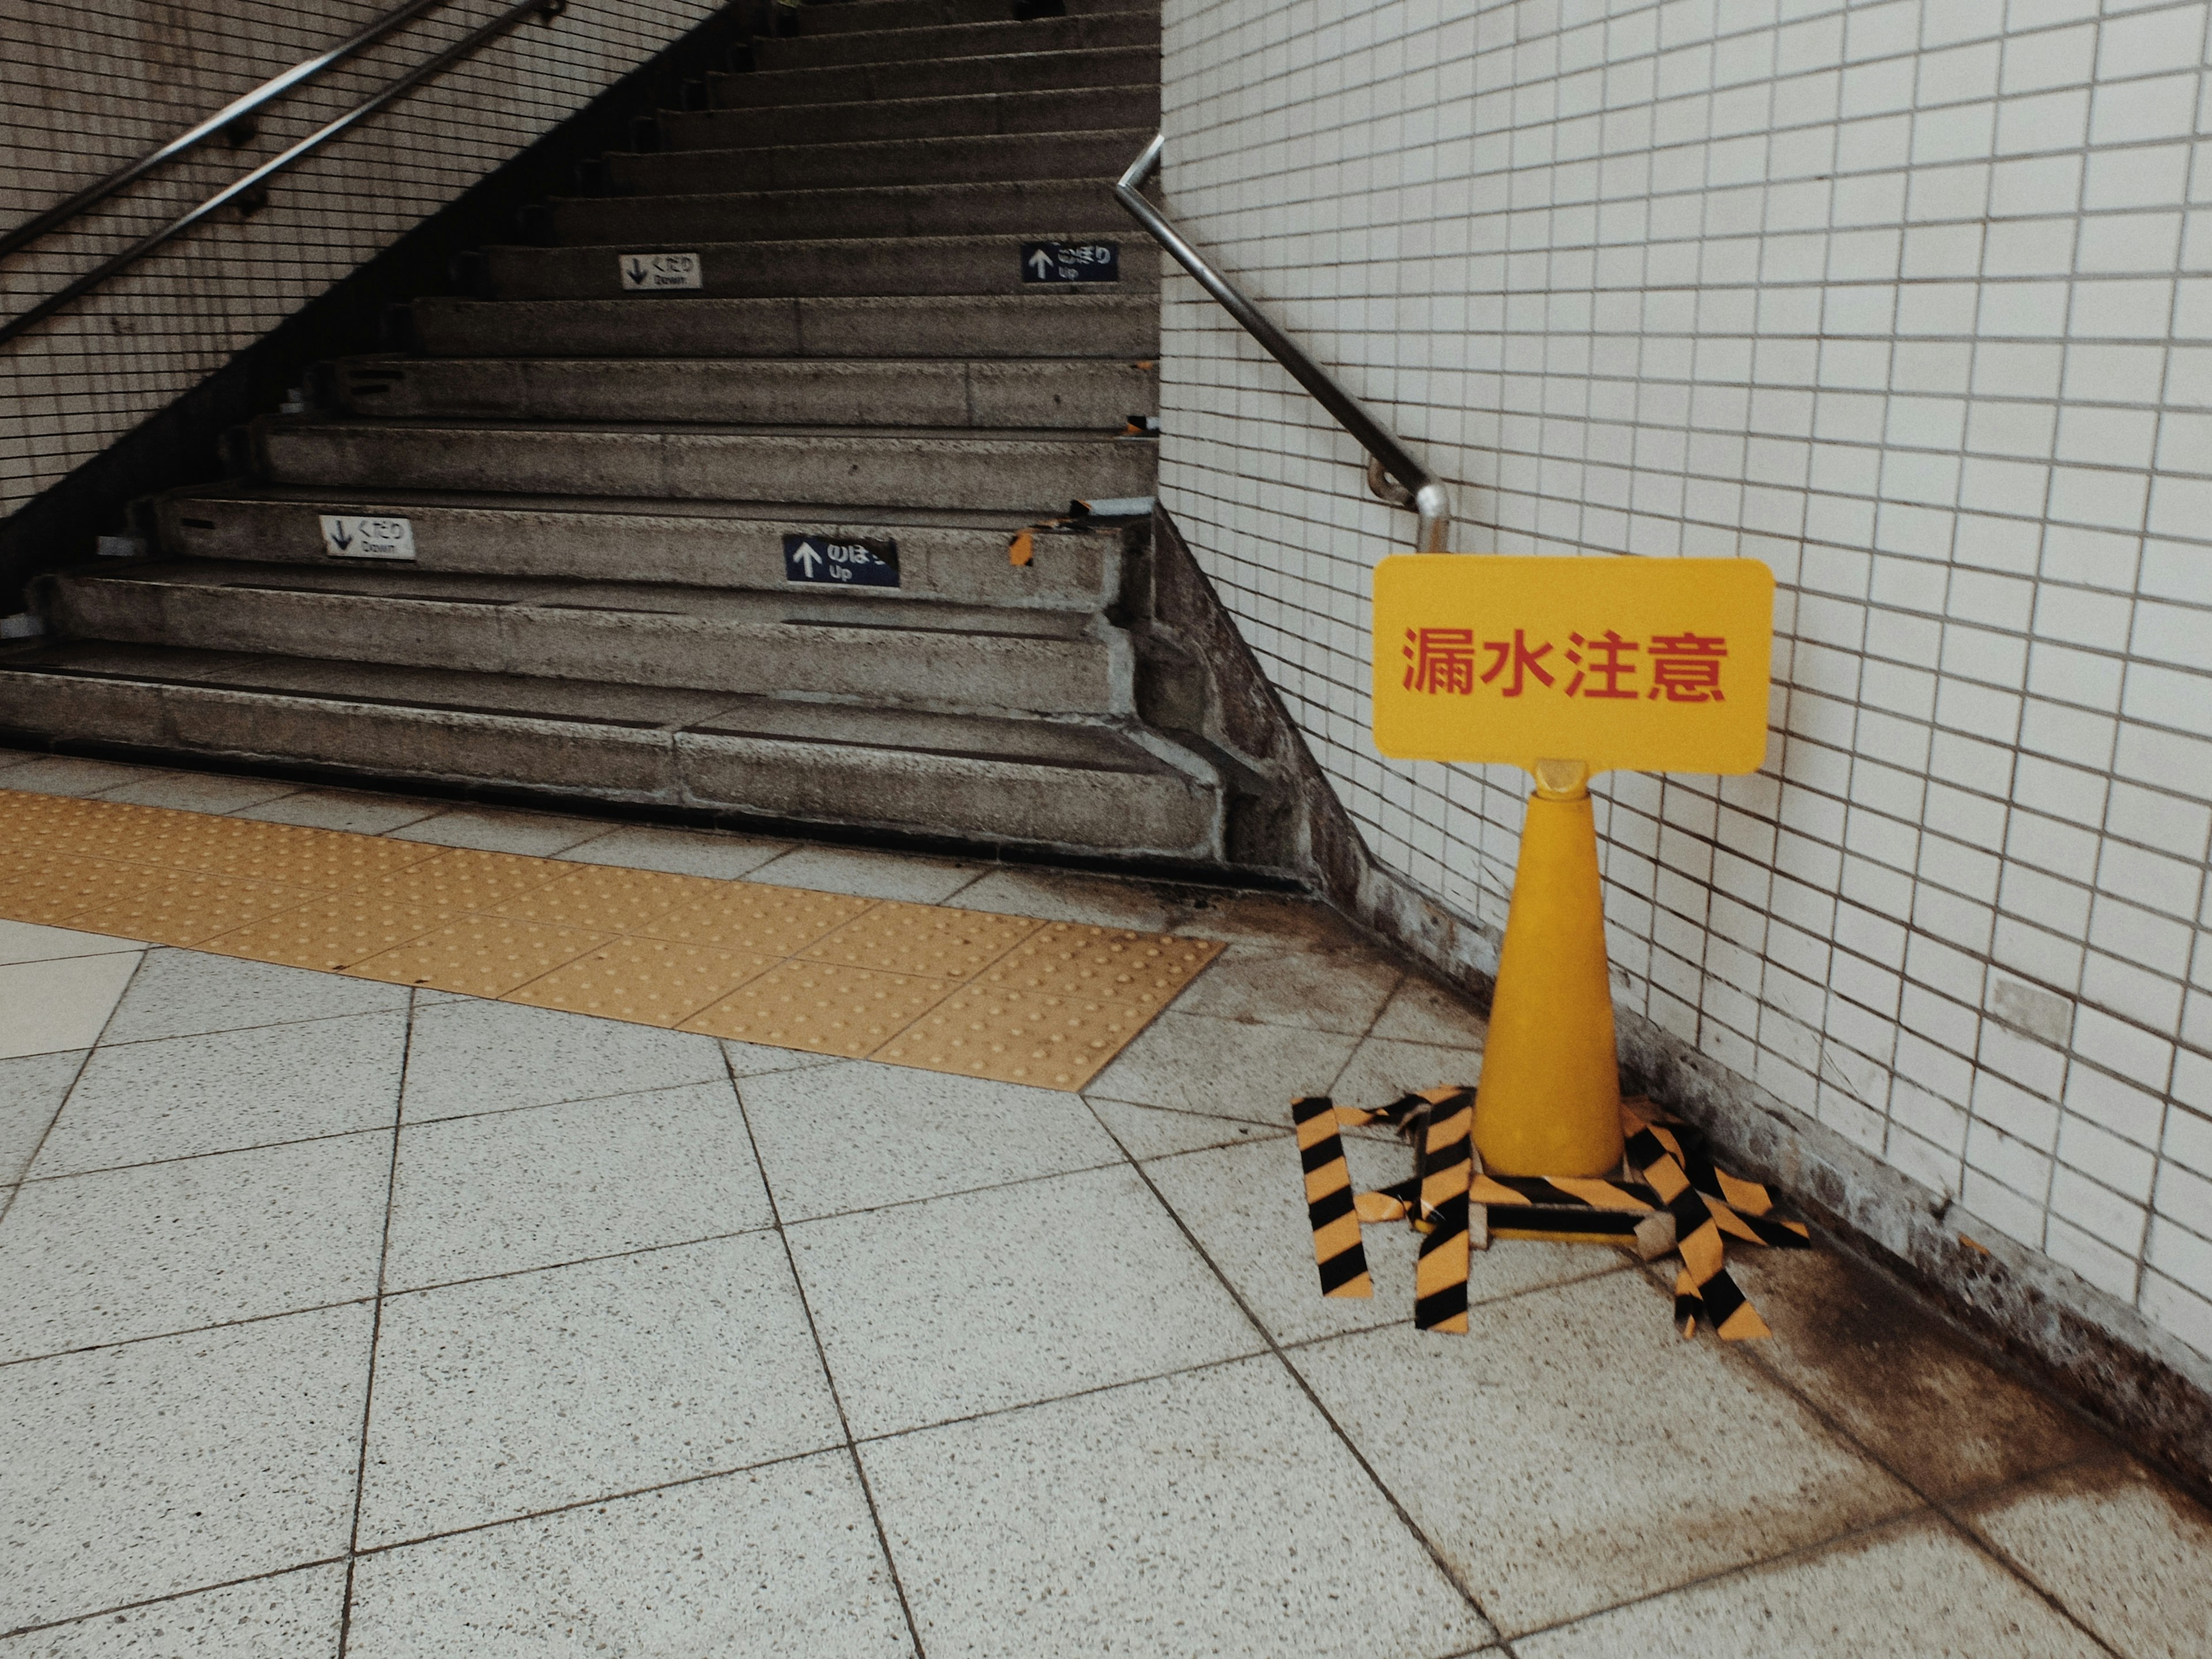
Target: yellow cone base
{"points": [[1549, 1103]]}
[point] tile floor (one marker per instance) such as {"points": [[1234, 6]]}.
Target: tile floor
{"points": [[336, 1318]]}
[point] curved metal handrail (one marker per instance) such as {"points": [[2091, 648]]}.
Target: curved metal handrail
{"points": [[1421, 489], [237, 110], [390, 92]]}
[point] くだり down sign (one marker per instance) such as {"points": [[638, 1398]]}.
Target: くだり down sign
{"points": [[1647, 665]]}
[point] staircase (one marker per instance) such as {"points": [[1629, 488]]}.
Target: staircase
{"points": [[605, 485]]}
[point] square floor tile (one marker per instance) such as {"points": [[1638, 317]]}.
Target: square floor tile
{"points": [[292, 1615], [1590, 1455], [1383, 1070], [1161, 1131], [468, 1056], [339, 809], [938, 1311], [779, 1563], [1057, 895], [201, 792], [31, 1090], [64, 775], [549, 1184], [158, 1466], [1277, 919], [1211, 1513], [1913, 1588], [24, 941], [180, 1097], [856, 1136], [869, 875], [1247, 1207], [507, 1396], [1421, 1012], [1200, 1064], [486, 830], [2124, 1553], [679, 852], [1321, 990], [172, 1246], [184, 993], [1904, 1387], [46, 1008]]}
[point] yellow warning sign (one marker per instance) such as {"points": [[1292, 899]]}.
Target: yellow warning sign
{"points": [[1650, 664]]}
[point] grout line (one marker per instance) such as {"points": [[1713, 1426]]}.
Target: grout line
{"points": [[576, 1261], [376, 1334], [175, 1596], [595, 1501], [187, 1330], [964, 1192], [829, 1375], [15, 1190], [1298, 1379]]}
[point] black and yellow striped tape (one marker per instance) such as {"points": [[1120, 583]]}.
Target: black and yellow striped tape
{"points": [[1329, 1204], [1682, 1201]]}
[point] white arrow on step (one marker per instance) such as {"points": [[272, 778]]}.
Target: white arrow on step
{"points": [[1041, 263], [807, 555]]}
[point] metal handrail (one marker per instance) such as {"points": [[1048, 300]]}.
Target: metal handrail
{"points": [[1421, 489], [389, 94], [237, 110]]}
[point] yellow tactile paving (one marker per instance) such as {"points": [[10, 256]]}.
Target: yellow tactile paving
{"points": [[753, 916], [1056, 1043], [333, 931], [935, 986], [1071, 959], [467, 880], [190, 908], [480, 955], [821, 1007], [608, 897], [932, 940], [54, 893], [650, 981]]}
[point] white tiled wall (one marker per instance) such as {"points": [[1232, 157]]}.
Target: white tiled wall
{"points": [[1913, 302], [86, 85]]}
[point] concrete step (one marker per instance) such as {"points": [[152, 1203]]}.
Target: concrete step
{"points": [[944, 555], [1078, 395], [845, 16], [958, 77], [951, 657], [997, 472], [1049, 786], [791, 162], [900, 266], [942, 42], [1065, 324], [1078, 109], [1035, 208]]}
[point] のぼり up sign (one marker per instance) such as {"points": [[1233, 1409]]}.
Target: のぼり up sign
{"points": [[1647, 665]]}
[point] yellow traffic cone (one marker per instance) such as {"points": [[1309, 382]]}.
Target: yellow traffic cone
{"points": [[1549, 1103]]}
